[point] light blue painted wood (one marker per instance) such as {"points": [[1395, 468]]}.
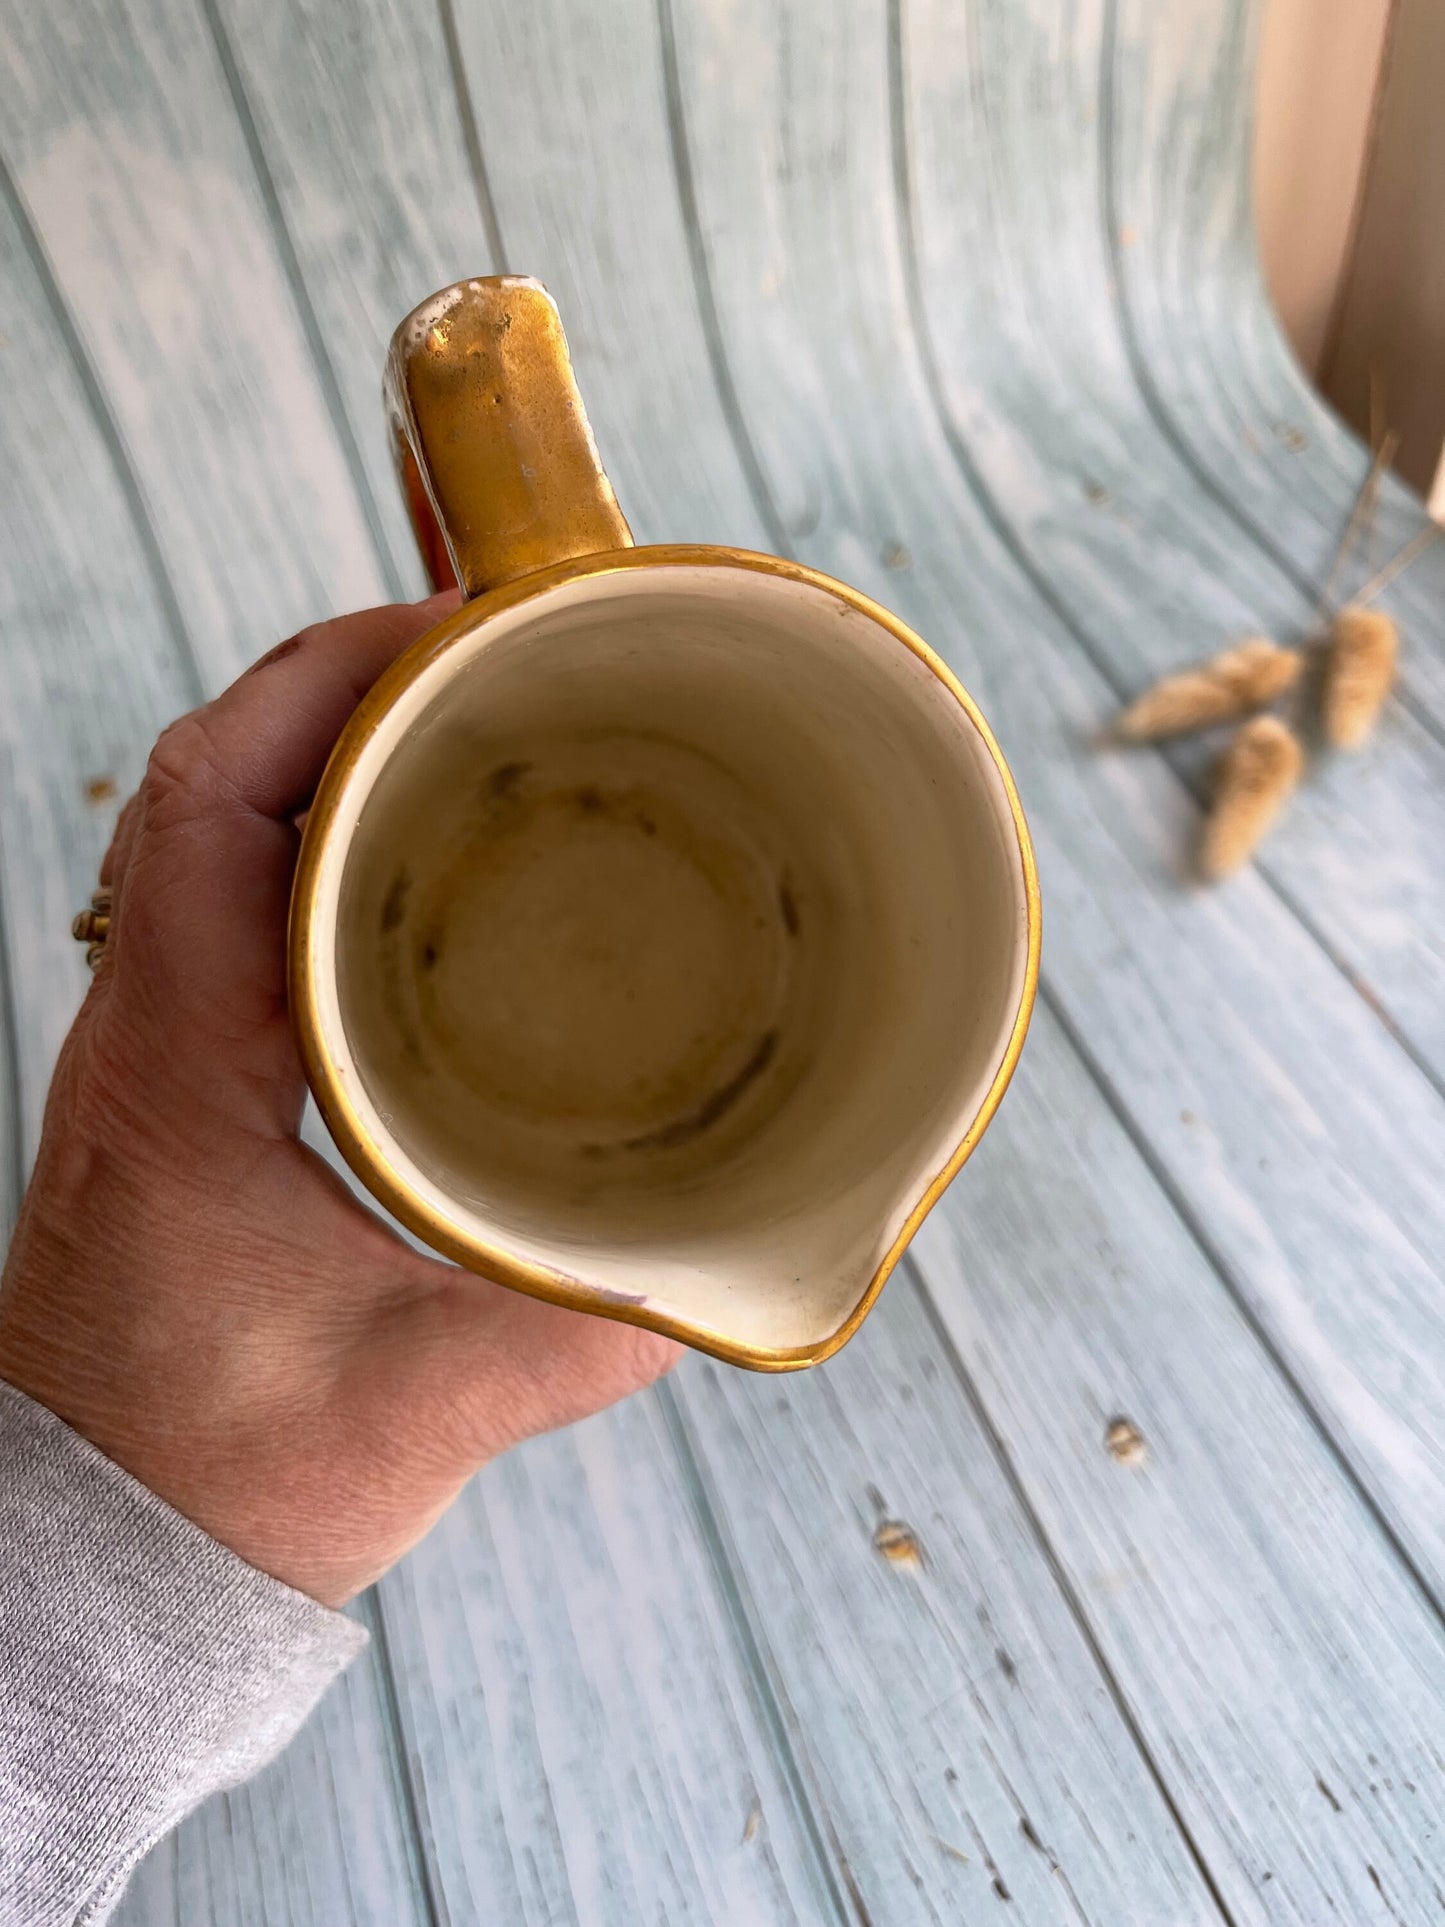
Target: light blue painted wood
{"points": [[958, 1741], [1034, 373], [363, 138], [1176, 113], [571, 102], [587, 1741], [624, 1637], [1286, 1675], [92, 664], [122, 139]]}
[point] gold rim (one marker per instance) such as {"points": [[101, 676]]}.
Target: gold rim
{"points": [[370, 1162]]}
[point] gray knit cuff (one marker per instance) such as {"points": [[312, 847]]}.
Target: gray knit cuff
{"points": [[142, 1667]]}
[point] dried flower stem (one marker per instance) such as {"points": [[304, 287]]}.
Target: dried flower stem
{"points": [[1361, 513], [1421, 540]]}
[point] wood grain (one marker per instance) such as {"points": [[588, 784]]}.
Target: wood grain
{"points": [[586, 1739], [92, 662], [1175, 122], [855, 284], [362, 138], [1286, 1675], [957, 1740], [123, 141], [573, 111], [1150, 569]]}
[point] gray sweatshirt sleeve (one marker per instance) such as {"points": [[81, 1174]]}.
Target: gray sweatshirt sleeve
{"points": [[142, 1667]]}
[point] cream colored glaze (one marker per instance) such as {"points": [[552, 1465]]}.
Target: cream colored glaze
{"points": [[678, 940]]}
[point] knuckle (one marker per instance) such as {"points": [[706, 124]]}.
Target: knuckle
{"points": [[182, 764], [281, 651]]}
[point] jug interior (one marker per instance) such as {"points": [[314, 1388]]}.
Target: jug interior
{"points": [[679, 938]]}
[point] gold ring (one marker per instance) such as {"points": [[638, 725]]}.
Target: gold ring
{"points": [[92, 927]]}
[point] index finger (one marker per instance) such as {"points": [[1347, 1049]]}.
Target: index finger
{"points": [[268, 736]]}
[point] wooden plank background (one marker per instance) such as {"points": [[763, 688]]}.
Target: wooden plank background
{"points": [[959, 303]]}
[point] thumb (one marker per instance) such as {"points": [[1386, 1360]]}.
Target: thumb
{"points": [[488, 1366]]}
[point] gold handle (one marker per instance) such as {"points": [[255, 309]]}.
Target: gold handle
{"points": [[492, 445]]}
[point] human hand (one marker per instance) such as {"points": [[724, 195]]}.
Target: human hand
{"points": [[191, 1287]]}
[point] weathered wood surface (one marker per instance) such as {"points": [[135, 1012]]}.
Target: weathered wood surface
{"points": [[1176, 82], [958, 303], [1105, 507]]}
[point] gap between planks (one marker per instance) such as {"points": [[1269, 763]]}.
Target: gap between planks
{"points": [[1230, 1284], [374, 1614], [1067, 1590], [301, 300], [752, 1648], [107, 428]]}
